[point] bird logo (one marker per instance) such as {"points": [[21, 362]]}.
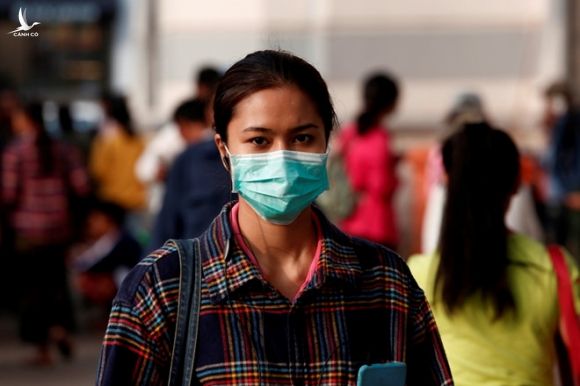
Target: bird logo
{"points": [[23, 23]]}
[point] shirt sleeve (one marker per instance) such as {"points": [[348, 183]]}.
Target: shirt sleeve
{"points": [[426, 362], [137, 345]]}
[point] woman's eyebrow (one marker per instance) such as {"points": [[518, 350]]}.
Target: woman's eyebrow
{"points": [[304, 127], [259, 129]]}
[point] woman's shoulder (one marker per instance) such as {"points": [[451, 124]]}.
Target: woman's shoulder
{"points": [[529, 253], [419, 262], [348, 129], [157, 273], [422, 267], [376, 141], [373, 256], [526, 251], [346, 134], [124, 139]]}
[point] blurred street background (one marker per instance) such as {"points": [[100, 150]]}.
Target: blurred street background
{"points": [[14, 371], [88, 57], [508, 51]]}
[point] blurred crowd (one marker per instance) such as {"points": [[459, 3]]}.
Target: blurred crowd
{"points": [[80, 209]]}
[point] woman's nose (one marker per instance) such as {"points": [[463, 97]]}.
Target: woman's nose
{"points": [[280, 144]]}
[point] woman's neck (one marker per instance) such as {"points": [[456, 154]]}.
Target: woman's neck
{"points": [[283, 252], [278, 242]]}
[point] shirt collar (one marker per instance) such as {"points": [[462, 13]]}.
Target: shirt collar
{"points": [[338, 260]]}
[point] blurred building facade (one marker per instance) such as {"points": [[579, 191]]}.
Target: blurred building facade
{"points": [[66, 58], [507, 50]]}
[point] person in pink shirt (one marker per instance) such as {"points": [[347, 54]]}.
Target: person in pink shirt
{"points": [[370, 164]]}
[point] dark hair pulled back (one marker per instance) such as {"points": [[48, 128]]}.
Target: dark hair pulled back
{"points": [[380, 93], [270, 69], [482, 165]]}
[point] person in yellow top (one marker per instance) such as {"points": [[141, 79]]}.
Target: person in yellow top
{"points": [[113, 156], [493, 292]]}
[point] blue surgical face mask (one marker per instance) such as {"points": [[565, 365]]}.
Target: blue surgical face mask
{"points": [[279, 185]]}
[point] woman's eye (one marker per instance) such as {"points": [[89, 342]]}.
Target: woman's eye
{"points": [[258, 141], [303, 138]]}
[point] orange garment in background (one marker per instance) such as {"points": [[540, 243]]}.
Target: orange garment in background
{"points": [[532, 174], [417, 159]]}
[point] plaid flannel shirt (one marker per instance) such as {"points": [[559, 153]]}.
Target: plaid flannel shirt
{"points": [[361, 306]]}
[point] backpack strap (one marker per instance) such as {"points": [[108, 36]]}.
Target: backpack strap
{"points": [[187, 321]]}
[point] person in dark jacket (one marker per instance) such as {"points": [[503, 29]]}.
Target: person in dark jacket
{"points": [[197, 185]]}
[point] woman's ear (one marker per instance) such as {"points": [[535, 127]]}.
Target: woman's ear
{"points": [[223, 151]]}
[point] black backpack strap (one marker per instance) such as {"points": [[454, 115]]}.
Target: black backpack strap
{"points": [[187, 321]]}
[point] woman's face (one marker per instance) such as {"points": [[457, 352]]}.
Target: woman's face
{"points": [[282, 118]]}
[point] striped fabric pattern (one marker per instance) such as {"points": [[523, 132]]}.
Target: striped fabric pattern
{"points": [[361, 306], [41, 202]]}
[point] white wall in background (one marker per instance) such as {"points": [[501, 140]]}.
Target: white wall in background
{"points": [[508, 50]]}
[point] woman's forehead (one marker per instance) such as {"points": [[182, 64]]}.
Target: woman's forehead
{"points": [[280, 108]]}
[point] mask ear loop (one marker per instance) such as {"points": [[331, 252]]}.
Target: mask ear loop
{"points": [[226, 160]]}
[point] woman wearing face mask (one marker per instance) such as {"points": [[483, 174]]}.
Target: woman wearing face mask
{"points": [[286, 298]]}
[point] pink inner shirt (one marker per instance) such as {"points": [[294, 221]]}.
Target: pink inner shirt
{"points": [[242, 243]]}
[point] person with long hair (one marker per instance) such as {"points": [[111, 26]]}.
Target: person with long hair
{"points": [[493, 291], [370, 164], [40, 176], [521, 216], [286, 298], [113, 156]]}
